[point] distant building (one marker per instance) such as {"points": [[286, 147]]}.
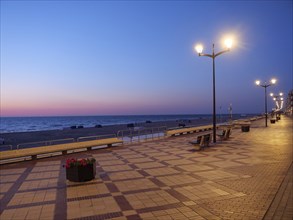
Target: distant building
{"points": [[289, 104]]}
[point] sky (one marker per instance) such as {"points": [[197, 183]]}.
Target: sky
{"points": [[62, 58]]}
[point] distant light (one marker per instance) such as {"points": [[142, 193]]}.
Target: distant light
{"points": [[229, 43], [257, 82], [281, 93], [273, 81], [282, 98], [274, 99], [271, 94], [199, 48]]}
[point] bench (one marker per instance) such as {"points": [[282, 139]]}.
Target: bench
{"points": [[243, 124], [63, 148], [189, 130], [256, 118], [202, 141], [225, 134]]}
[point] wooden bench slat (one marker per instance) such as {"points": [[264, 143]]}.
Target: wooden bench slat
{"points": [[57, 148], [188, 130]]}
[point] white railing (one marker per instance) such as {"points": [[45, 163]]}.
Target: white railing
{"points": [[6, 147], [141, 134], [89, 138], [45, 143]]}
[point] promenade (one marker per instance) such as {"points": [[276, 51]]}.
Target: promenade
{"points": [[248, 176]]}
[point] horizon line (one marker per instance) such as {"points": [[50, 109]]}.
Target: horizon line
{"points": [[35, 116]]}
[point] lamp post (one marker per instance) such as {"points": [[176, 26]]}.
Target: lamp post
{"points": [[230, 111], [277, 98], [199, 49], [265, 85]]}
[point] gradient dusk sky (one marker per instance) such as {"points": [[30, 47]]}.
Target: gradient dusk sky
{"points": [[137, 57]]}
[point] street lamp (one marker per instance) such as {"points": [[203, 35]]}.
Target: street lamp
{"points": [[265, 85], [199, 49], [278, 98]]}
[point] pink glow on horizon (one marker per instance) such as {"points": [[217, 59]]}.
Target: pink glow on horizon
{"points": [[119, 107], [58, 110]]}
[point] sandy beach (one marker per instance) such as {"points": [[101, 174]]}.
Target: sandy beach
{"points": [[16, 138]]}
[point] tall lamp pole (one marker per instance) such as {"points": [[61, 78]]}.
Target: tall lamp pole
{"points": [[199, 49], [277, 98], [265, 86]]}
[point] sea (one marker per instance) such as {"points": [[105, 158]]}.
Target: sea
{"points": [[24, 124]]}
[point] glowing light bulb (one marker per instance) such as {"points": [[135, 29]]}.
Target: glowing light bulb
{"points": [[229, 43], [199, 48]]}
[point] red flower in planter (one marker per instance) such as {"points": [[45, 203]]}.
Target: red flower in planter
{"points": [[72, 162]]}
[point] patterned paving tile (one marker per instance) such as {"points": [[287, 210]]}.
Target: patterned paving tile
{"points": [[132, 156], [38, 184], [48, 163], [202, 191], [179, 162], [132, 185], [29, 213], [80, 191], [33, 197], [224, 164], [172, 213], [168, 157], [161, 171], [193, 155], [252, 161], [157, 154], [124, 151], [212, 151], [234, 152], [105, 157], [43, 175], [150, 199], [8, 178], [140, 160], [4, 187], [180, 152], [207, 159], [11, 171], [149, 165], [110, 162], [45, 168], [215, 175], [146, 150], [124, 175], [116, 168], [232, 157], [195, 167], [179, 179], [92, 207], [258, 153]]}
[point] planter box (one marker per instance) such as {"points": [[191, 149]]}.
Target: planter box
{"points": [[245, 128], [81, 173], [273, 121]]}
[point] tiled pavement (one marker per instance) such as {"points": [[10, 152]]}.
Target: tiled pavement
{"points": [[245, 177]]}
